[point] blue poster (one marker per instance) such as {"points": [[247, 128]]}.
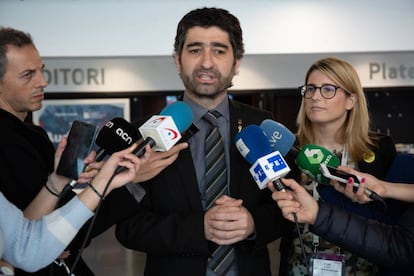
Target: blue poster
{"points": [[56, 116]]}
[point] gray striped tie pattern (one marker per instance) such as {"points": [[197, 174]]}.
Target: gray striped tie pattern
{"points": [[216, 185]]}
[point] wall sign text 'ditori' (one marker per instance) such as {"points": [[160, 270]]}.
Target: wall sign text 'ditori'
{"points": [[75, 76]]}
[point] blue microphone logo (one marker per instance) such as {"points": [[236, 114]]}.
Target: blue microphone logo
{"points": [[277, 162], [259, 173]]}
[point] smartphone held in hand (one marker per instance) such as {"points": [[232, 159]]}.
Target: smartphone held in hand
{"points": [[79, 144]]}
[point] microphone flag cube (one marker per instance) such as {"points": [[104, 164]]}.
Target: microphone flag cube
{"points": [[269, 168], [163, 130]]}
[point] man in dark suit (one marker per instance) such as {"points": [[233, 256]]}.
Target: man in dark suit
{"points": [[176, 226]]}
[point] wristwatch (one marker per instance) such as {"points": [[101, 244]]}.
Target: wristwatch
{"points": [[6, 271]]}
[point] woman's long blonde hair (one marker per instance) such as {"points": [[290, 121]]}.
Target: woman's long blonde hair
{"points": [[354, 133]]}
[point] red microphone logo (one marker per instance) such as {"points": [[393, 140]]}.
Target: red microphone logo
{"points": [[171, 133]]}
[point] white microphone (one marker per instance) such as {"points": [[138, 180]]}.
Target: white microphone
{"points": [[163, 130], [270, 167]]}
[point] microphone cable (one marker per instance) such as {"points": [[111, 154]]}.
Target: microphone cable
{"points": [[92, 222], [302, 247], [279, 187], [70, 185]]}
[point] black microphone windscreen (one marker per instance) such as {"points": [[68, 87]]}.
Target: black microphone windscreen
{"points": [[117, 134]]}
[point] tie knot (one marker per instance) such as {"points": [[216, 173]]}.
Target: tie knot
{"points": [[211, 117]]}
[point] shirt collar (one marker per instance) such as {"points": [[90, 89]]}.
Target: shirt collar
{"points": [[199, 111]]}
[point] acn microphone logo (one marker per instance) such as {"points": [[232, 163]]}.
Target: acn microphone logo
{"points": [[124, 135]]}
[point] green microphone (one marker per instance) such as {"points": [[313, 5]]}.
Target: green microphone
{"points": [[309, 159]]}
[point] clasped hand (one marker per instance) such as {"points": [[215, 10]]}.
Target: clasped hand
{"points": [[228, 221]]}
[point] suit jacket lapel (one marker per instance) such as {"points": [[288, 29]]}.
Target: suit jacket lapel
{"points": [[236, 123], [189, 182]]}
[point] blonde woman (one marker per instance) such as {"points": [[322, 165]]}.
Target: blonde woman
{"points": [[334, 114]]}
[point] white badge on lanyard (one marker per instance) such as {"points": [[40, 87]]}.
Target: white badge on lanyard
{"points": [[326, 264]]}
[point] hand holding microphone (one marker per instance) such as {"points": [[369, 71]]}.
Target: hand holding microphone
{"points": [[269, 165], [161, 132], [125, 158], [316, 162], [320, 165], [362, 193], [117, 134], [296, 204]]}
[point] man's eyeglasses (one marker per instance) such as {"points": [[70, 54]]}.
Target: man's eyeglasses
{"points": [[327, 91]]}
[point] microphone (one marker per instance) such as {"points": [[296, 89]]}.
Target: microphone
{"points": [[280, 137], [309, 159], [160, 131], [319, 164], [267, 165], [117, 134], [260, 146], [253, 143], [163, 131]]}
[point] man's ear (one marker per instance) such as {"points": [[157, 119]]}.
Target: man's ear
{"points": [[237, 67], [177, 62]]}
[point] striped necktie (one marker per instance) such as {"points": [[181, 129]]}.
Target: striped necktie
{"points": [[216, 185]]}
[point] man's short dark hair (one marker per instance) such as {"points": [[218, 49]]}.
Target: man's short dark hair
{"points": [[11, 37], [209, 17]]}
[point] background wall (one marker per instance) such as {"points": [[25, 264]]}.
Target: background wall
{"points": [[142, 27]]}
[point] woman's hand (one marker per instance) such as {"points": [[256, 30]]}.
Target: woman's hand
{"points": [[367, 181], [295, 199]]}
